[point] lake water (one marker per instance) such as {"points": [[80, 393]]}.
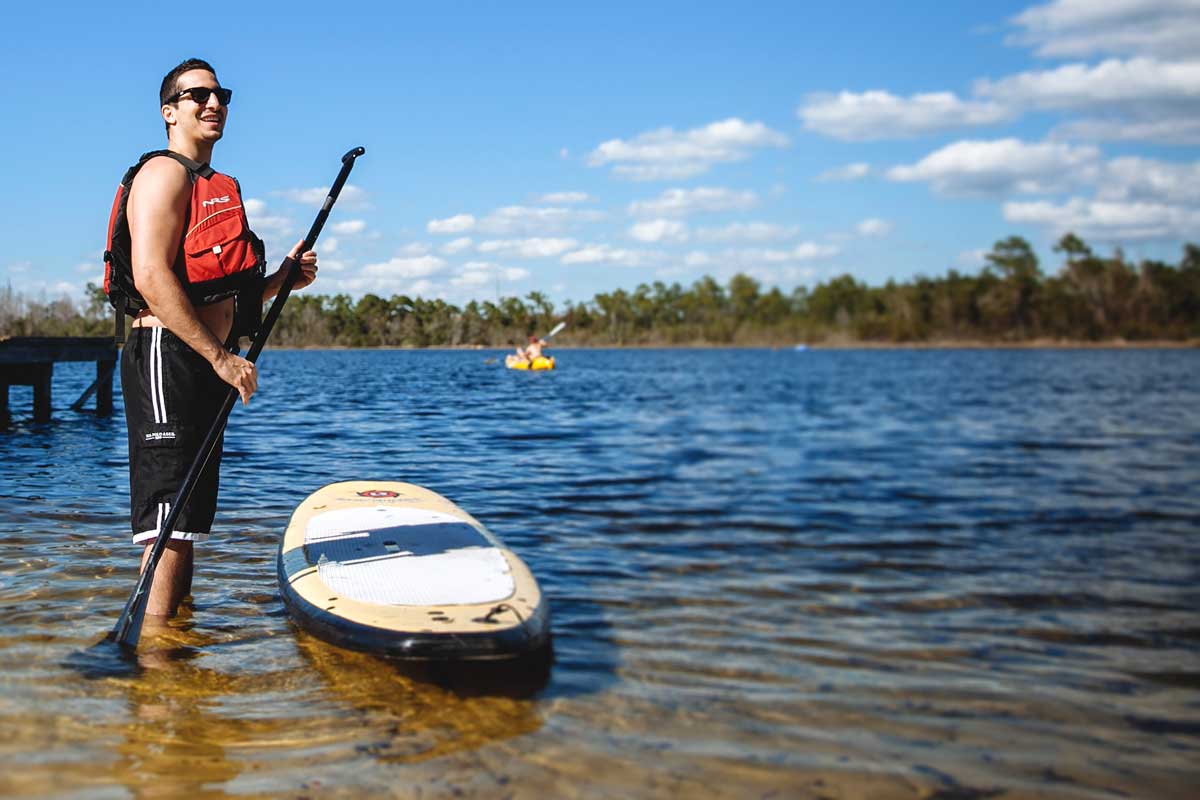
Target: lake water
{"points": [[952, 574]]}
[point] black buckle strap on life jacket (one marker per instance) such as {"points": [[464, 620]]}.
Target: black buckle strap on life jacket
{"points": [[247, 309], [119, 303]]}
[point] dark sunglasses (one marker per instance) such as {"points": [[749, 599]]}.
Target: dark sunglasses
{"points": [[201, 94]]}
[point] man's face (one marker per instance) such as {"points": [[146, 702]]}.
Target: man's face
{"points": [[205, 121]]}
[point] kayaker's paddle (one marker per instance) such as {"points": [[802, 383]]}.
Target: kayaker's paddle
{"points": [[554, 330], [129, 627]]}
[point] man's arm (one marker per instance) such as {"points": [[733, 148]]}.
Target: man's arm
{"points": [[157, 209]]}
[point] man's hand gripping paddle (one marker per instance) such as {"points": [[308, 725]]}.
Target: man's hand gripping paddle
{"points": [[129, 627]]}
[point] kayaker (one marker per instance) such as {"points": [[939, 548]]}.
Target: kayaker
{"points": [[534, 349]]}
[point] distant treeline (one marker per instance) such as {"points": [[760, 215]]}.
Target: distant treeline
{"points": [[1090, 298]]}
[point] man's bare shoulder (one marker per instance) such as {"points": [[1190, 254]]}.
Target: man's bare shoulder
{"points": [[162, 178]]}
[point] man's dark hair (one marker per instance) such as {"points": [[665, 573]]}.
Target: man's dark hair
{"points": [[170, 82]]}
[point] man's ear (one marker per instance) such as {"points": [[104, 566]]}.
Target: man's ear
{"points": [[168, 114]]}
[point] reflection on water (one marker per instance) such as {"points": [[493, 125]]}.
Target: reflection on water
{"points": [[771, 573], [186, 727]]}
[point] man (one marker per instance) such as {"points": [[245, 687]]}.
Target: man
{"points": [[176, 367], [534, 349]]}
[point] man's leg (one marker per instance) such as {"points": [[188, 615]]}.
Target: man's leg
{"points": [[172, 578]]}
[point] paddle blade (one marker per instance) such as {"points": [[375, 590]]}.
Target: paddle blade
{"points": [[556, 329]]}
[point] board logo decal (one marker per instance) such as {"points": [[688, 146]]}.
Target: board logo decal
{"points": [[378, 493]]}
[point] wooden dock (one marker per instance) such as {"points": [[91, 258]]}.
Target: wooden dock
{"points": [[29, 361]]}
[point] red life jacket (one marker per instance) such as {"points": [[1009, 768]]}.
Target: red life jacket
{"points": [[219, 256]]}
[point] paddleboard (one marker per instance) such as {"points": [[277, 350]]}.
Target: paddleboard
{"points": [[398, 570]]}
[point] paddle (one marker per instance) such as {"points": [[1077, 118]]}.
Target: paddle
{"points": [[129, 626]]}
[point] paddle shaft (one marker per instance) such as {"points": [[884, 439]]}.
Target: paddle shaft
{"points": [[129, 625]]}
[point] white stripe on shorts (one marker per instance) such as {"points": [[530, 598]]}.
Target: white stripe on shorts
{"points": [[157, 397], [163, 510]]}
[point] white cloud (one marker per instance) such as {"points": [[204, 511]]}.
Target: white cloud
{"points": [[685, 202], [748, 232], [405, 267], [780, 266], [1135, 197], [805, 251], [849, 172], [350, 196], [882, 115], [458, 245], [873, 227], [667, 154], [784, 275], [535, 247], [1002, 166], [1085, 27], [565, 198], [414, 249], [1138, 83], [329, 245], [1140, 98], [460, 223], [472, 278], [44, 291], [486, 273], [533, 220], [1147, 88], [1132, 178], [1109, 221], [350, 227], [659, 230], [424, 288], [607, 254], [262, 221], [1165, 130]]}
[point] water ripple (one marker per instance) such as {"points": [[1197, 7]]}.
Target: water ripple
{"points": [[833, 573]]}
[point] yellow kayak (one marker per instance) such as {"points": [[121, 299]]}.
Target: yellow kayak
{"points": [[541, 362]]}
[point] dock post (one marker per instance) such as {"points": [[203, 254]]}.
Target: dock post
{"points": [[104, 387], [41, 377]]}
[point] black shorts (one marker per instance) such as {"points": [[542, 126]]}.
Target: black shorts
{"points": [[172, 395]]}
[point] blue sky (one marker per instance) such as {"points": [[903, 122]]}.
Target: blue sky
{"points": [[580, 148]]}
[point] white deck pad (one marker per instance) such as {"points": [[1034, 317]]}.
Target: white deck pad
{"points": [[391, 555]]}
